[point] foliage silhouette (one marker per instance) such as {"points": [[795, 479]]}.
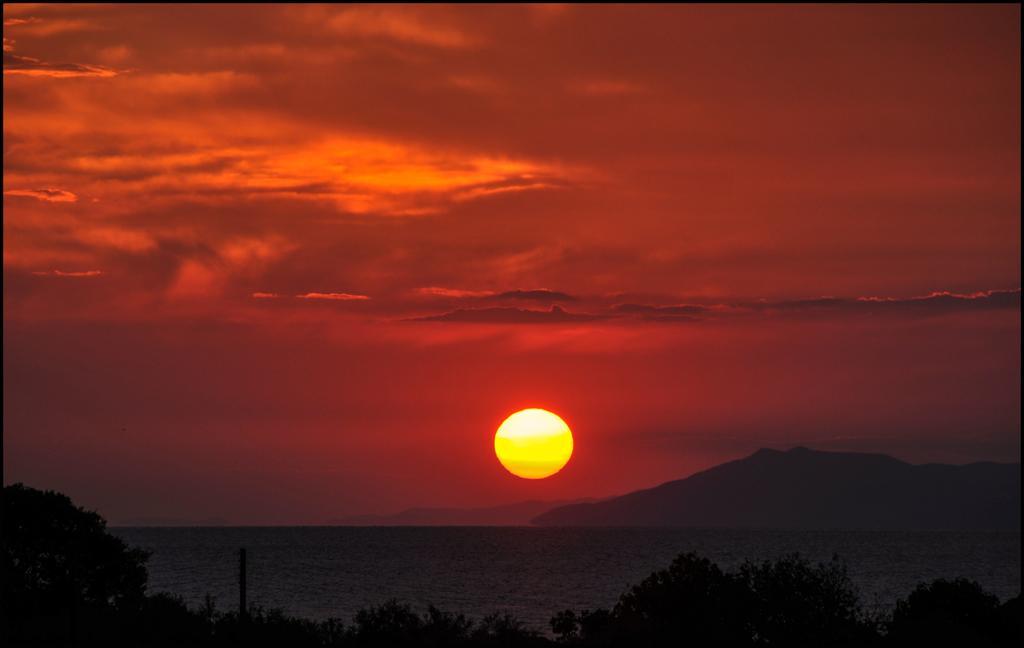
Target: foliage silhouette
{"points": [[793, 603], [786, 602], [692, 600], [62, 572], [957, 611]]}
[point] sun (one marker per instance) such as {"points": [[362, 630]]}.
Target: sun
{"points": [[533, 443]]}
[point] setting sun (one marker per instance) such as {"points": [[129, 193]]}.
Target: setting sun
{"points": [[533, 443]]}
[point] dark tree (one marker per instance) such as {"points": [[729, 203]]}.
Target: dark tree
{"points": [[795, 603], [1011, 620], [957, 611], [396, 624], [392, 623], [61, 567], [588, 628], [503, 629], [693, 600]]}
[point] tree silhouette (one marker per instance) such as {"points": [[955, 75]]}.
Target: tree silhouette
{"points": [[957, 611], [61, 567], [795, 603], [786, 602], [693, 600]]}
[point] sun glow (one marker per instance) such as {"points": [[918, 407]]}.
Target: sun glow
{"points": [[533, 443]]}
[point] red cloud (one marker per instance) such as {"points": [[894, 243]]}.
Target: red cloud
{"points": [[46, 195], [333, 296], [69, 273]]}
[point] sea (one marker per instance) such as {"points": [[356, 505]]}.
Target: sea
{"points": [[531, 572]]}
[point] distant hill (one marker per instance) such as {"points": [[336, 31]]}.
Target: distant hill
{"points": [[518, 514], [804, 488]]}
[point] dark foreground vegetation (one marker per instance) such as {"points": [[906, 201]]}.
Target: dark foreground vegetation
{"points": [[67, 581]]}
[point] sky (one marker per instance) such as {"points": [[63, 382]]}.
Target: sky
{"points": [[283, 264]]}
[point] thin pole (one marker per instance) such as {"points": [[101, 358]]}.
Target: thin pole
{"points": [[242, 609]]}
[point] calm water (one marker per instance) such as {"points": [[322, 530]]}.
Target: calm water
{"points": [[319, 572]]}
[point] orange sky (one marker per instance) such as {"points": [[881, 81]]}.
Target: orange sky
{"points": [[282, 264]]}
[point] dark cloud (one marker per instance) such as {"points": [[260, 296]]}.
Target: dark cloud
{"points": [[15, 64], [686, 312], [68, 273], [936, 303], [557, 315], [540, 295]]}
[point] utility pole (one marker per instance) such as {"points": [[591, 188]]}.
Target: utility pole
{"points": [[243, 611]]}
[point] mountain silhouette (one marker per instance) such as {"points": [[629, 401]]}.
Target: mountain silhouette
{"points": [[518, 514], [811, 489]]}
